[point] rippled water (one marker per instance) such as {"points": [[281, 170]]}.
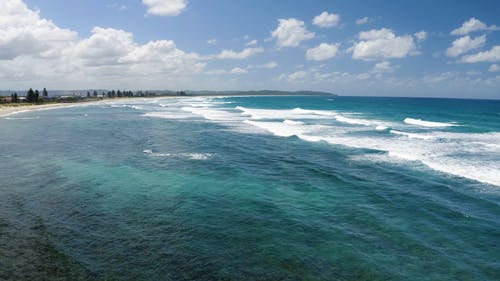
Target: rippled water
{"points": [[261, 188]]}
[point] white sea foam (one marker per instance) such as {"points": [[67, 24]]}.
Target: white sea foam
{"points": [[470, 155], [420, 122], [192, 156], [412, 135], [214, 114], [291, 122], [460, 154], [22, 118], [169, 115], [290, 114], [353, 121]]}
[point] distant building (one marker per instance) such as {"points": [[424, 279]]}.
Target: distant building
{"points": [[5, 99]]}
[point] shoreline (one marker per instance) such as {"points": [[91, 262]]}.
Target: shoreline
{"points": [[6, 111]]}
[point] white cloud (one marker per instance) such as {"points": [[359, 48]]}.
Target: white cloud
{"points": [[464, 44], [238, 70], [362, 21], [421, 36], [117, 6], [101, 48], [244, 54], [326, 20], [291, 32], [35, 50], [494, 68], [382, 44], [165, 7], [383, 67], [492, 55], [440, 77], [269, 65], [472, 25], [23, 32], [252, 43], [297, 76], [211, 41], [322, 52]]}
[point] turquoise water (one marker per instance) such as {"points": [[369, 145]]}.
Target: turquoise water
{"points": [[245, 188]]}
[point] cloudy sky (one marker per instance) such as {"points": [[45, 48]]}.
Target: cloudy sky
{"points": [[385, 48]]}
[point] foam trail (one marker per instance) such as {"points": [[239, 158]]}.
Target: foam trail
{"points": [[466, 155], [213, 114], [412, 135], [291, 122], [169, 115], [353, 121], [420, 122], [192, 156], [290, 114]]}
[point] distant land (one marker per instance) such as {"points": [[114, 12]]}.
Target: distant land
{"points": [[59, 93]]}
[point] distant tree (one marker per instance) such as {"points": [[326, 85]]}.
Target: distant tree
{"points": [[95, 93], [36, 96], [45, 93], [88, 94], [16, 98], [30, 96]]}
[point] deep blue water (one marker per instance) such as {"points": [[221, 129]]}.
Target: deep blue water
{"points": [[246, 188]]}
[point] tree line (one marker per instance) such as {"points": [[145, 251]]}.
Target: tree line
{"points": [[35, 96], [32, 96]]}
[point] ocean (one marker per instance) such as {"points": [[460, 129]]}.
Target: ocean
{"points": [[252, 188]]}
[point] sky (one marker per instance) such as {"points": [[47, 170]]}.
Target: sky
{"points": [[370, 48]]}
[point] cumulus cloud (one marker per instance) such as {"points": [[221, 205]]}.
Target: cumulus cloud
{"points": [[291, 32], [322, 52], [238, 70], [252, 43], [326, 20], [234, 71], [383, 67], [472, 25], [421, 36], [62, 58], [494, 68], [362, 21], [382, 44], [492, 55], [165, 7], [269, 65], [24, 32], [101, 47], [244, 54], [297, 76], [211, 41], [464, 44]]}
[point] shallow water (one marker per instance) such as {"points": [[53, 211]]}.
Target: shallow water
{"points": [[273, 188]]}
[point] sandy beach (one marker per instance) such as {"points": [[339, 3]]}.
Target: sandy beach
{"points": [[11, 110], [6, 111]]}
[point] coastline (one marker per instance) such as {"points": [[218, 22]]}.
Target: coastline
{"points": [[6, 111]]}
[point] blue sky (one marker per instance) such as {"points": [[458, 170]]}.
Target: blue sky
{"points": [[388, 48]]}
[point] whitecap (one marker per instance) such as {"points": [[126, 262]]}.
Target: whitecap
{"points": [[291, 122], [412, 135], [381, 128], [420, 122]]}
